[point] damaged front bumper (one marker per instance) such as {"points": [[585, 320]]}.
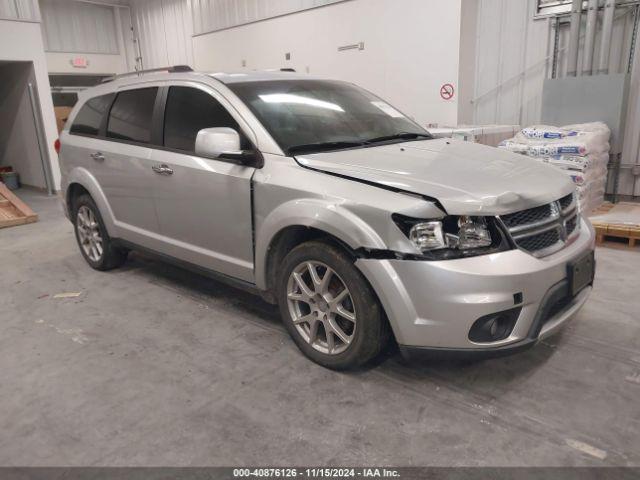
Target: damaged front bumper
{"points": [[433, 305]]}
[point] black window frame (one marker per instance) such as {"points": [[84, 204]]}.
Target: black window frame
{"points": [[244, 138], [151, 143], [159, 122], [157, 126], [105, 116], [102, 132]]}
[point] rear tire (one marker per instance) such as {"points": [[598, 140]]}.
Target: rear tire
{"points": [[95, 244], [336, 321]]}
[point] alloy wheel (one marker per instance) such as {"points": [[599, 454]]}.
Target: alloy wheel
{"points": [[89, 233], [321, 307]]}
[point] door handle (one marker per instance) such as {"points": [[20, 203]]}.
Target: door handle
{"points": [[162, 169], [97, 156]]}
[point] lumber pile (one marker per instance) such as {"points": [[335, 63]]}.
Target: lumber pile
{"points": [[14, 211]]}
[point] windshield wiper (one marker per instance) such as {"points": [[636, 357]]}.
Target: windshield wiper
{"points": [[322, 146], [398, 136]]}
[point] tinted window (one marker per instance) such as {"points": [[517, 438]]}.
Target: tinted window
{"points": [[188, 111], [130, 116], [90, 116]]}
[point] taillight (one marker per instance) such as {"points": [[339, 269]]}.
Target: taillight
{"points": [[56, 145]]}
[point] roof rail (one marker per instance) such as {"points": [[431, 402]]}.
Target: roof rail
{"points": [[172, 69]]}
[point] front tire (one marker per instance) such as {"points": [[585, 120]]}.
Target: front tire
{"points": [[92, 237], [328, 307]]}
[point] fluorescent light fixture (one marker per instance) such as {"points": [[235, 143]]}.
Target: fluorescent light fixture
{"points": [[299, 100]]}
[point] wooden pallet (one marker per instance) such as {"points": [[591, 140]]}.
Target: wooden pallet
{"points": [[607, 231], [602, 209], [14, 211]]}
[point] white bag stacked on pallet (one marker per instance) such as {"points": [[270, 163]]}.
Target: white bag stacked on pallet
{"points": [[581, 151]]}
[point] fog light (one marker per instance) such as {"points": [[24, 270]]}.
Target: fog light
{"points": [[494, 327]]}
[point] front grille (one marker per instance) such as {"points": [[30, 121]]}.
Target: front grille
{"points": [[565, 202], [543, 230], [532, 215], [571, 224], [538, 242]]}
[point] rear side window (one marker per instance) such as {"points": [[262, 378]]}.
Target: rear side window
{"points": [[188, 111], [131, 114], [90, 116]]}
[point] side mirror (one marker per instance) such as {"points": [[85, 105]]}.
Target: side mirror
{"points": [[224, 143], [213, 142]]}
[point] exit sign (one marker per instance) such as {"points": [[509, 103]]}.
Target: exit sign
{"points": [[79, 62]]}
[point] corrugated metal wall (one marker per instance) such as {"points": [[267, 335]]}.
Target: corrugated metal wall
{"points": [[26, 10], [78, 27], [514, 56], [128, 41], [164, 29], [511, 62], [212, 15]]}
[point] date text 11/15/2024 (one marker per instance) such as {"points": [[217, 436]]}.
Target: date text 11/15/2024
{"points": [[315, 473]]}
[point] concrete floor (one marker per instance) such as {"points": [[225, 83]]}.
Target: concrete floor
{"points": [[152, 365]]}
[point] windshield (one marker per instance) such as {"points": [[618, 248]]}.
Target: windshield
{"points": [[306, 116]]}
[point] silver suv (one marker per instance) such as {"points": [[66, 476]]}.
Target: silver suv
{"points": [[331, 203]]}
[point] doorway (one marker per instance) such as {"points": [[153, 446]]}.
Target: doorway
{"points": [[22, 140]]}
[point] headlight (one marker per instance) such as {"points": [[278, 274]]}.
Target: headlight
{"points": [[473, 232], [428, 236], [453, 236]]}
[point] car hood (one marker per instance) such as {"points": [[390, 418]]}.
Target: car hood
{"points": [[465, 177]]}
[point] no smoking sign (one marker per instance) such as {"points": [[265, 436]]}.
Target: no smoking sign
{"points": [[447, 91]]}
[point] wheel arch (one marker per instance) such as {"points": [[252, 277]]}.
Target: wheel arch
{"points": [[74, 190], [81, 181], [287, 239], [300, 221]]}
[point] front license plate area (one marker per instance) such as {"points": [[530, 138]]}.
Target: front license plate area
{"points": [[580, 272]]}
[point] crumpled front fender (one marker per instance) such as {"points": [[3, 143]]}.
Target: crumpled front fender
{"points": [[314, 213]]}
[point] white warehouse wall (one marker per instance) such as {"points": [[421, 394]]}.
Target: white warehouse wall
{"points": [[212, 15], [163, 29], [72, 26], [409, 51], [58, 62], [26, 10], [99, 33]]}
